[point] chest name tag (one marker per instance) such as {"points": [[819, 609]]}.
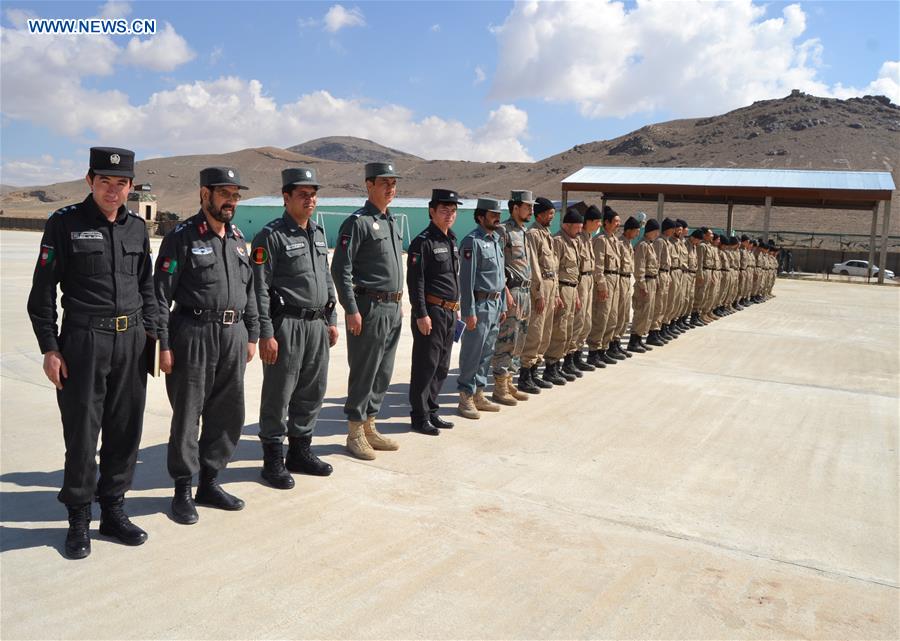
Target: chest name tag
{"points": [[295, 246], [201, 251], [320, 243], [441, 250], [87, 235]]}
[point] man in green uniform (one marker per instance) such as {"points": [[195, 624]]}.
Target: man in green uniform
{"points": [[368, 274], [297, 327]]}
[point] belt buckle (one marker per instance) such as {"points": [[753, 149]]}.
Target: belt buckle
{"points": [[228, 317], [121, 323]]}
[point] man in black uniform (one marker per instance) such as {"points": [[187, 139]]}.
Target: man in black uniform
{"points": [[206, 341], [297, 325], [99, 254], [432, 277]]}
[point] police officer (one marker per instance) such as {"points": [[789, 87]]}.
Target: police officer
{"points": [[297, 327], [206, 341], [483, 303], [587, 276], [630, 230], [511, 340], [567, 245], [368, 274], [604, 312], [432, 278], [664, 287], [646, 271], [99, 254]]}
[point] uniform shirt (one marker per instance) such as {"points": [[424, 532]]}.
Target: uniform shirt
{"points": [[745, 258], [369, 254], [544, 264], [691, 257], [481, 268], [290, 267], [646, 262], [674, 253], [662, 246], [432, 267], [682, 247], [606, 258], [567, 253], [585, 253], [515, 252], [196, 269], [103, 269], [626, 256]]}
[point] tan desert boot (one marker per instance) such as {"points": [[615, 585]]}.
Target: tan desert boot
{"points": [[501, 390], [357, 443], [514, 391], [466, 407], [376, 439], [482, 404]]}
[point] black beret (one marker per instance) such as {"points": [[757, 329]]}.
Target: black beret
{"points": [[573, 216], [593, 213], [745, 238], [704, 229], [652, 225], [697, 233], [733, 241], [609, 213], [581, 207], [542, 204], [681, 223], [632, 223], [667, 224]]}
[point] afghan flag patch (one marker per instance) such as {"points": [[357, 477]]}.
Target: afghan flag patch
{"points": [[467, 254], [345, 241], [413, 259], [169, 265], [260, 255], [48, 253]]}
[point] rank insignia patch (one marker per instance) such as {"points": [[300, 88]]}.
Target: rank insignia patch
{"points": [[48, 253], [169, 265], [260, 255]]}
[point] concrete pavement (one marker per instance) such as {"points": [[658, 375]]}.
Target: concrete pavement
{"points": [[741, 482]]}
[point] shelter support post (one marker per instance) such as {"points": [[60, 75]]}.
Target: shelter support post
{"points": [[603, 203], [766, 217], [872, 241], [565, 203], [729, 220], [660, 203], [885, 226]]}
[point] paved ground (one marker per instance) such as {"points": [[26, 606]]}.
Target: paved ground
{"points": [[741, 482]]}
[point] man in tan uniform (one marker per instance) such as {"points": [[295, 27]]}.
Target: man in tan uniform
{"points": [[604, 313], [583, 318], [566, 244], [631, 229], [674, 281], [646, 270], [686, 290], [544, 294], [658, 336], [694, 243]]}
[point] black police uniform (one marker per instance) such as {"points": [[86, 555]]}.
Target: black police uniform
{"points": [[104, 271], [210, 282], [432, 277]]}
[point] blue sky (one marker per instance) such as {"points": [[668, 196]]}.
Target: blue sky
{"points": [[463, 80]]}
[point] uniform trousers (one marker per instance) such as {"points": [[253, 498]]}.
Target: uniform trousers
{"points": [[371, 356], [430, 361], [477, 348], [540, 325]]}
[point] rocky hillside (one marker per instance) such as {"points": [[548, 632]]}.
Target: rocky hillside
{"points": [[350, 149]]}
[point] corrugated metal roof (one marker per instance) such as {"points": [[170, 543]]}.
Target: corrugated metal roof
{"points": [[721, 177], [419, 203]]}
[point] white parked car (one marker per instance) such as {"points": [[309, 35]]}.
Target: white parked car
{"points": [[858, 268]]}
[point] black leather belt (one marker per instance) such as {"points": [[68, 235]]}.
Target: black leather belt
{"points": [[624, 275], [609, 272], [225, 317], [691, 271], [517, 284], [395, 297], [649, 277], [487, 295], [586, 273], [112, 323], [663, 271], [568, 284], [548, 274], [303, 313]]}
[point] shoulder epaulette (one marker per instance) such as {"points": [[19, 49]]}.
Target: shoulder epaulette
{"points": [[237, 232], [182, 226], [64, 210]]}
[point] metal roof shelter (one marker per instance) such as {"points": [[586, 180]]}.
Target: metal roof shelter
{"points": [[854, 190]]}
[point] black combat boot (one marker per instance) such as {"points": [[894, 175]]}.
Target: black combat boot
{"points": [[580, 363], [695, 320], [662, 335], [612, 352], [210, 493], [300, 458], [273, 471], [634, 344], [594, 359], [115, 523], [685, 323], [537, 380], [551, 375], [78, 538], [654, 339], [644, 344], [569, 367], [604, 357], [624, 352], [183, 509], [525, 384]]}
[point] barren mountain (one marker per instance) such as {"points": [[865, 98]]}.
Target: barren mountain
{"points": [[798, 131]]}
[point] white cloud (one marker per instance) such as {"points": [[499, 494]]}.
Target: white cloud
{"points": [[479, 76], [339, 17], [41, 171], [114, 9], [306, 23], [435, 28], [162, 52], [216, 54], [690, 57], [887, 84]]}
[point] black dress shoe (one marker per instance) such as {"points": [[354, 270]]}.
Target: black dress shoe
{"points": [[183, 509], [301, 460], [424, 426], [440, 423], [78, 538], [115, 523], [210, 493]]}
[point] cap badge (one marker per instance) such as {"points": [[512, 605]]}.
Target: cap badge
{"points": [[309, 174], [390, 168], [230, 174], [114, 159], [374, 225]]}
